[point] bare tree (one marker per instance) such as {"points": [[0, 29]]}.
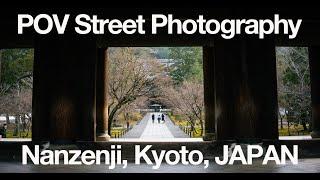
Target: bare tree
{"points": [[19, 104], [294, 84], [188, 101], [131, 77]]}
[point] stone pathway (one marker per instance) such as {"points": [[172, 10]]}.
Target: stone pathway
{"points": [[148, 130], [137, 130], [156, 130]]}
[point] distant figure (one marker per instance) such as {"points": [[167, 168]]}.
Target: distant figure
{"points": [[159, 119], [128, 125], [163, 118], [153, 118], [3, 131]]}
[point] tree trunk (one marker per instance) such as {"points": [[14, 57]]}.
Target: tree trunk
{"points": [[201, 124], [111, 116], [17, 122], [113, 113], [305, 128], [310, 127], [23, 122], [8, 119], [288, 127], [281, 122]]}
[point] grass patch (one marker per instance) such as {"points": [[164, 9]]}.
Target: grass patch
{"points": [[117, 132], [294, 131], [10, 134], [179, 121]]}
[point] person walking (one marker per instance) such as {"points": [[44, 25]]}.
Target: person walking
{"points": [[159, 119], [3, 131], [163, 118], [153, 118]]}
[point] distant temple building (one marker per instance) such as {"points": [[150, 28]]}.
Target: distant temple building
{"points": [[156, 107], [166, 62]]}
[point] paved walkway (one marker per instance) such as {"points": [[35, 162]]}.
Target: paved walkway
{"points": [[295, 138], [137, 130], [149, 130], [155, 130]]}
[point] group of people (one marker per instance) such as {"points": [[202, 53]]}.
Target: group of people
{"points": [[160, 118]]}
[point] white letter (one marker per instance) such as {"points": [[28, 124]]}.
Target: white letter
{"points": [[88, 155], [224, 161], [21, 24], [158, 160], [140, 22], [201, 23], [268, 157], [26, 151], [234, 157], [228, 33], [285, 152], [191, 158], [47, 154], [61, 28], [184, 153], [294, 29], [84, 24], [155, 23], [129, 26], [252, 27], [49, 21], [176, 158], [217, 26], [142, 154], [277, 25], [73, 159], [256, 155], [171, 22], [185, 26], [239, 25], [115, 26], [106, 157], [263, 31], [65, 154]]}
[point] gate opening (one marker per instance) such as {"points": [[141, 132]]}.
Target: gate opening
{"points": [[155, 93], [294, 93], [16, 83]]}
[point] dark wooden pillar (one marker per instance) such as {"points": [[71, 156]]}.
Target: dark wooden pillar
{"points": [[209, 93], [314, 57], [0, 63], [262, 88], [227, 62], [246, 91], [102, 96], [64, 90]]}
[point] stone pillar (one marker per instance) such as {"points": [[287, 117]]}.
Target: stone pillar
{"points": [[314, 57], [246, 89], [64, 90], [102, 96], [209, 96]]}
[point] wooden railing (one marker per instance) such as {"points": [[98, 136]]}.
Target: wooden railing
{"points": [[187, 130], [120, 133]]}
